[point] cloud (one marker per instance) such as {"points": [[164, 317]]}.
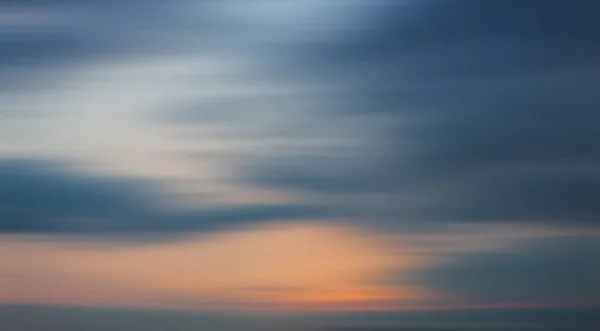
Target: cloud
{"points": [[433, 33], [58, 34], [553, 271], [476, 111], [36, 197], [435, 112]]}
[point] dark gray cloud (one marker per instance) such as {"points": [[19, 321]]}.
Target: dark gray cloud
{"points": [[56, 34], [36, 197], [478, 38], [493, 103], [552, 271]]}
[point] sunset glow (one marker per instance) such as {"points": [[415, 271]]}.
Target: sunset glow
{"points": [[277, 266]]}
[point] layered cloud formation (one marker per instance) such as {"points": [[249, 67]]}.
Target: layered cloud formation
{"points": [[418, 119]]}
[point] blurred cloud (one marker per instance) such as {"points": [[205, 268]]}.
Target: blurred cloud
{"points": [[39, 199], [486, 102], [452, 121], [555, 271], [465, 130]]}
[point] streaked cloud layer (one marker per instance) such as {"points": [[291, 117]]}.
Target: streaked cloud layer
{"points": [[326, 155]]}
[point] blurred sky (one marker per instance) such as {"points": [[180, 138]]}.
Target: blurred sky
{"points": [[300, 156]]}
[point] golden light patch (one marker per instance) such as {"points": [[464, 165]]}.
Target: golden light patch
{"points": [[296, 264]]}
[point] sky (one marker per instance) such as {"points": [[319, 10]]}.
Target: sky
{"points": [[336, 159]]}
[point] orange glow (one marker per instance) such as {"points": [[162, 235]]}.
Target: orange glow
{"points": [[293, 266]]}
